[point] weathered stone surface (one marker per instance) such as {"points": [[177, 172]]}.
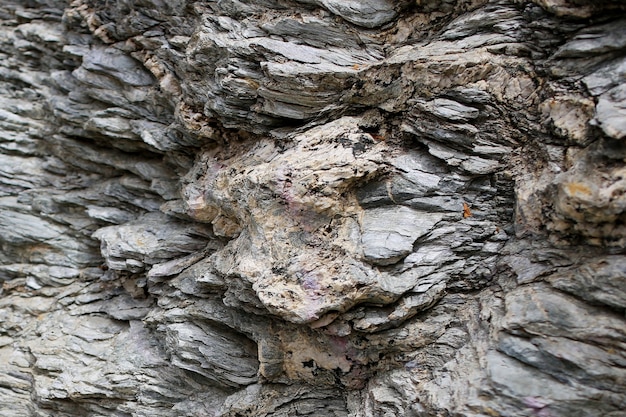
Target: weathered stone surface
{"points": [[149, 240], [312, 207], [389, 233], [599, 282], [611, 113]]}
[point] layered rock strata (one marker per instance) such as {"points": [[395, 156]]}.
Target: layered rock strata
{"points": [[312, 208]]}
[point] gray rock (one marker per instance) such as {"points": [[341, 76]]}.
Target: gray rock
{"points": [[312, 207], [451, 110], [611, 112], [389, 233], [600, 281], [595, 40], [538, 310], [196, 348], [150, 240], [369, 13], [606, 77], [116, 64]]}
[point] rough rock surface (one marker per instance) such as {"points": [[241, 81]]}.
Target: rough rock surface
{"points": [[312, 208]]}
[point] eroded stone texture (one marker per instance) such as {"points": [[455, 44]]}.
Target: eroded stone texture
{"points": [[312, 207]]}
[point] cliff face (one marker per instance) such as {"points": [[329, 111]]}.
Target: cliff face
{"points": [[312, 207]]}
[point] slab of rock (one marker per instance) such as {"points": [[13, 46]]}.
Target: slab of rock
{"points": [[390, 233], [368, 13], [312, 207], [150, 240], [611, 112]]}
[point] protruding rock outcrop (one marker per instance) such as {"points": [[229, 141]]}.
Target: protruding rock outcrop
{"points": [[312, 207]]}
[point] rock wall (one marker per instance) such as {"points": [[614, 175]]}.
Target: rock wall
{"points": [[312, 208]]}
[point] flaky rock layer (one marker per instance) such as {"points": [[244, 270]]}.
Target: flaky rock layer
{"points": [[312, 208]]}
